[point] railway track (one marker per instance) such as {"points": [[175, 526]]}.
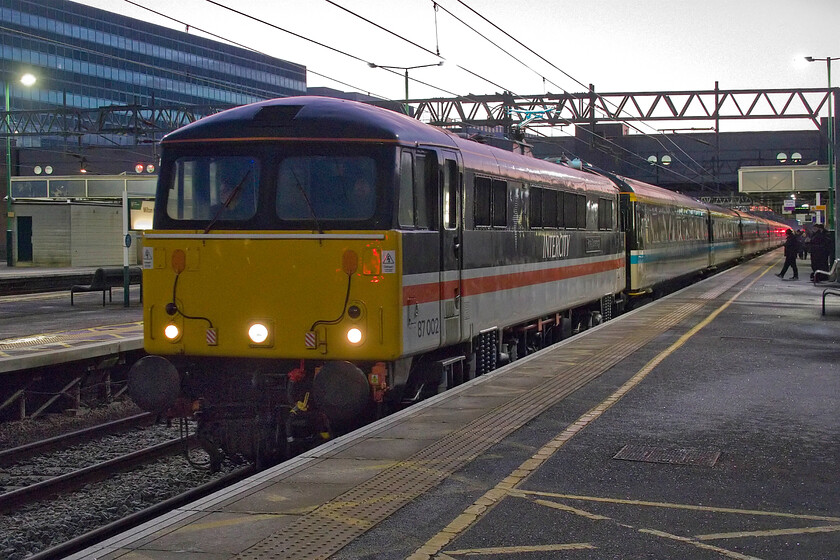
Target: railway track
{"points": [[77, 487], [78, 478], [22, 452]]}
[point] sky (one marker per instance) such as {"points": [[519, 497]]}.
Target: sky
{"points": [[617, 45]]}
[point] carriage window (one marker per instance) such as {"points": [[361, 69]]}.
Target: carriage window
{"points": [[326, 187], [220, 188]]}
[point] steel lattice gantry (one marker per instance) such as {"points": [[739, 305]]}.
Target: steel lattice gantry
{"points": [[122, 120], [590, 107], [505, 109]]}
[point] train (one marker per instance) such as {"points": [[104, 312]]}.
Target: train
{"points": [[316, 263]]}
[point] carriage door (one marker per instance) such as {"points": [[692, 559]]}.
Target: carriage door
{"points": [[451, 255]]}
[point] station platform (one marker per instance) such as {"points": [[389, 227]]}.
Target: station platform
{"points": [[703, 425], [39, 326]]}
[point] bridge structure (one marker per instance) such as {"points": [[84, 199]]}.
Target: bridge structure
{"points": [[672, 138], [504, 109]]}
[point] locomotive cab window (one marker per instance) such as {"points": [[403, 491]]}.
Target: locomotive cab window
{"points": [[213, 188], [326, 187]]}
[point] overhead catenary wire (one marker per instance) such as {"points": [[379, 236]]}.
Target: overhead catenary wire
{"points": [[475, 74], [367, 20], [240, 45], [573, 79]]}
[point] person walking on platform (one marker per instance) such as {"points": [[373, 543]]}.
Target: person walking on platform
{"points": [[801, 238], [820, 247], [791, 252]]}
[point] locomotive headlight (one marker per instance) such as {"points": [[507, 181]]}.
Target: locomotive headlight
{"points": [[172, 332], [258, 333], [354, 335]]}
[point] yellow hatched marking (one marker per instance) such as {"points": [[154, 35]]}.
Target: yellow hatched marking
{"points": [[519, 549], [689, 507], [570, 509], [769, 533], [704, 546]]}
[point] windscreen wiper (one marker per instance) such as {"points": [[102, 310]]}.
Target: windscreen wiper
{"points": [[308, 203], [227, 201]]}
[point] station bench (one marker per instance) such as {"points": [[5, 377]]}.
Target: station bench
{"points": [[106, 278]]}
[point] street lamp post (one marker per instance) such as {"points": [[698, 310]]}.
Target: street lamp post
{"points": [[27, 80], [833, 195], [406, 69]]}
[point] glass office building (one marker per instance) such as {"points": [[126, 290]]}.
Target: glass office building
{"points": [[85, 58]]}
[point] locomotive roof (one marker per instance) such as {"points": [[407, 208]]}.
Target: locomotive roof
{"points": [[652, 193], [311, 118], [328, 118]]}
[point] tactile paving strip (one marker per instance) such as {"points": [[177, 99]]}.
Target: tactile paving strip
{"points": [[335, 524], [16, 346]]}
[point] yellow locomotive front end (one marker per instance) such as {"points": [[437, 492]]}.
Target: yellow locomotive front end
{"points": [[281, 295], [273, 280]]}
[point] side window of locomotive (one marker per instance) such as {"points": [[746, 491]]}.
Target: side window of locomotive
{"points": [[580, 200], [549, 208], [605, 213], [482, 202], [535, 197], [499, 204], [222, 188], [570, 210], [406, 212], [422, 190], [417, 191]]}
